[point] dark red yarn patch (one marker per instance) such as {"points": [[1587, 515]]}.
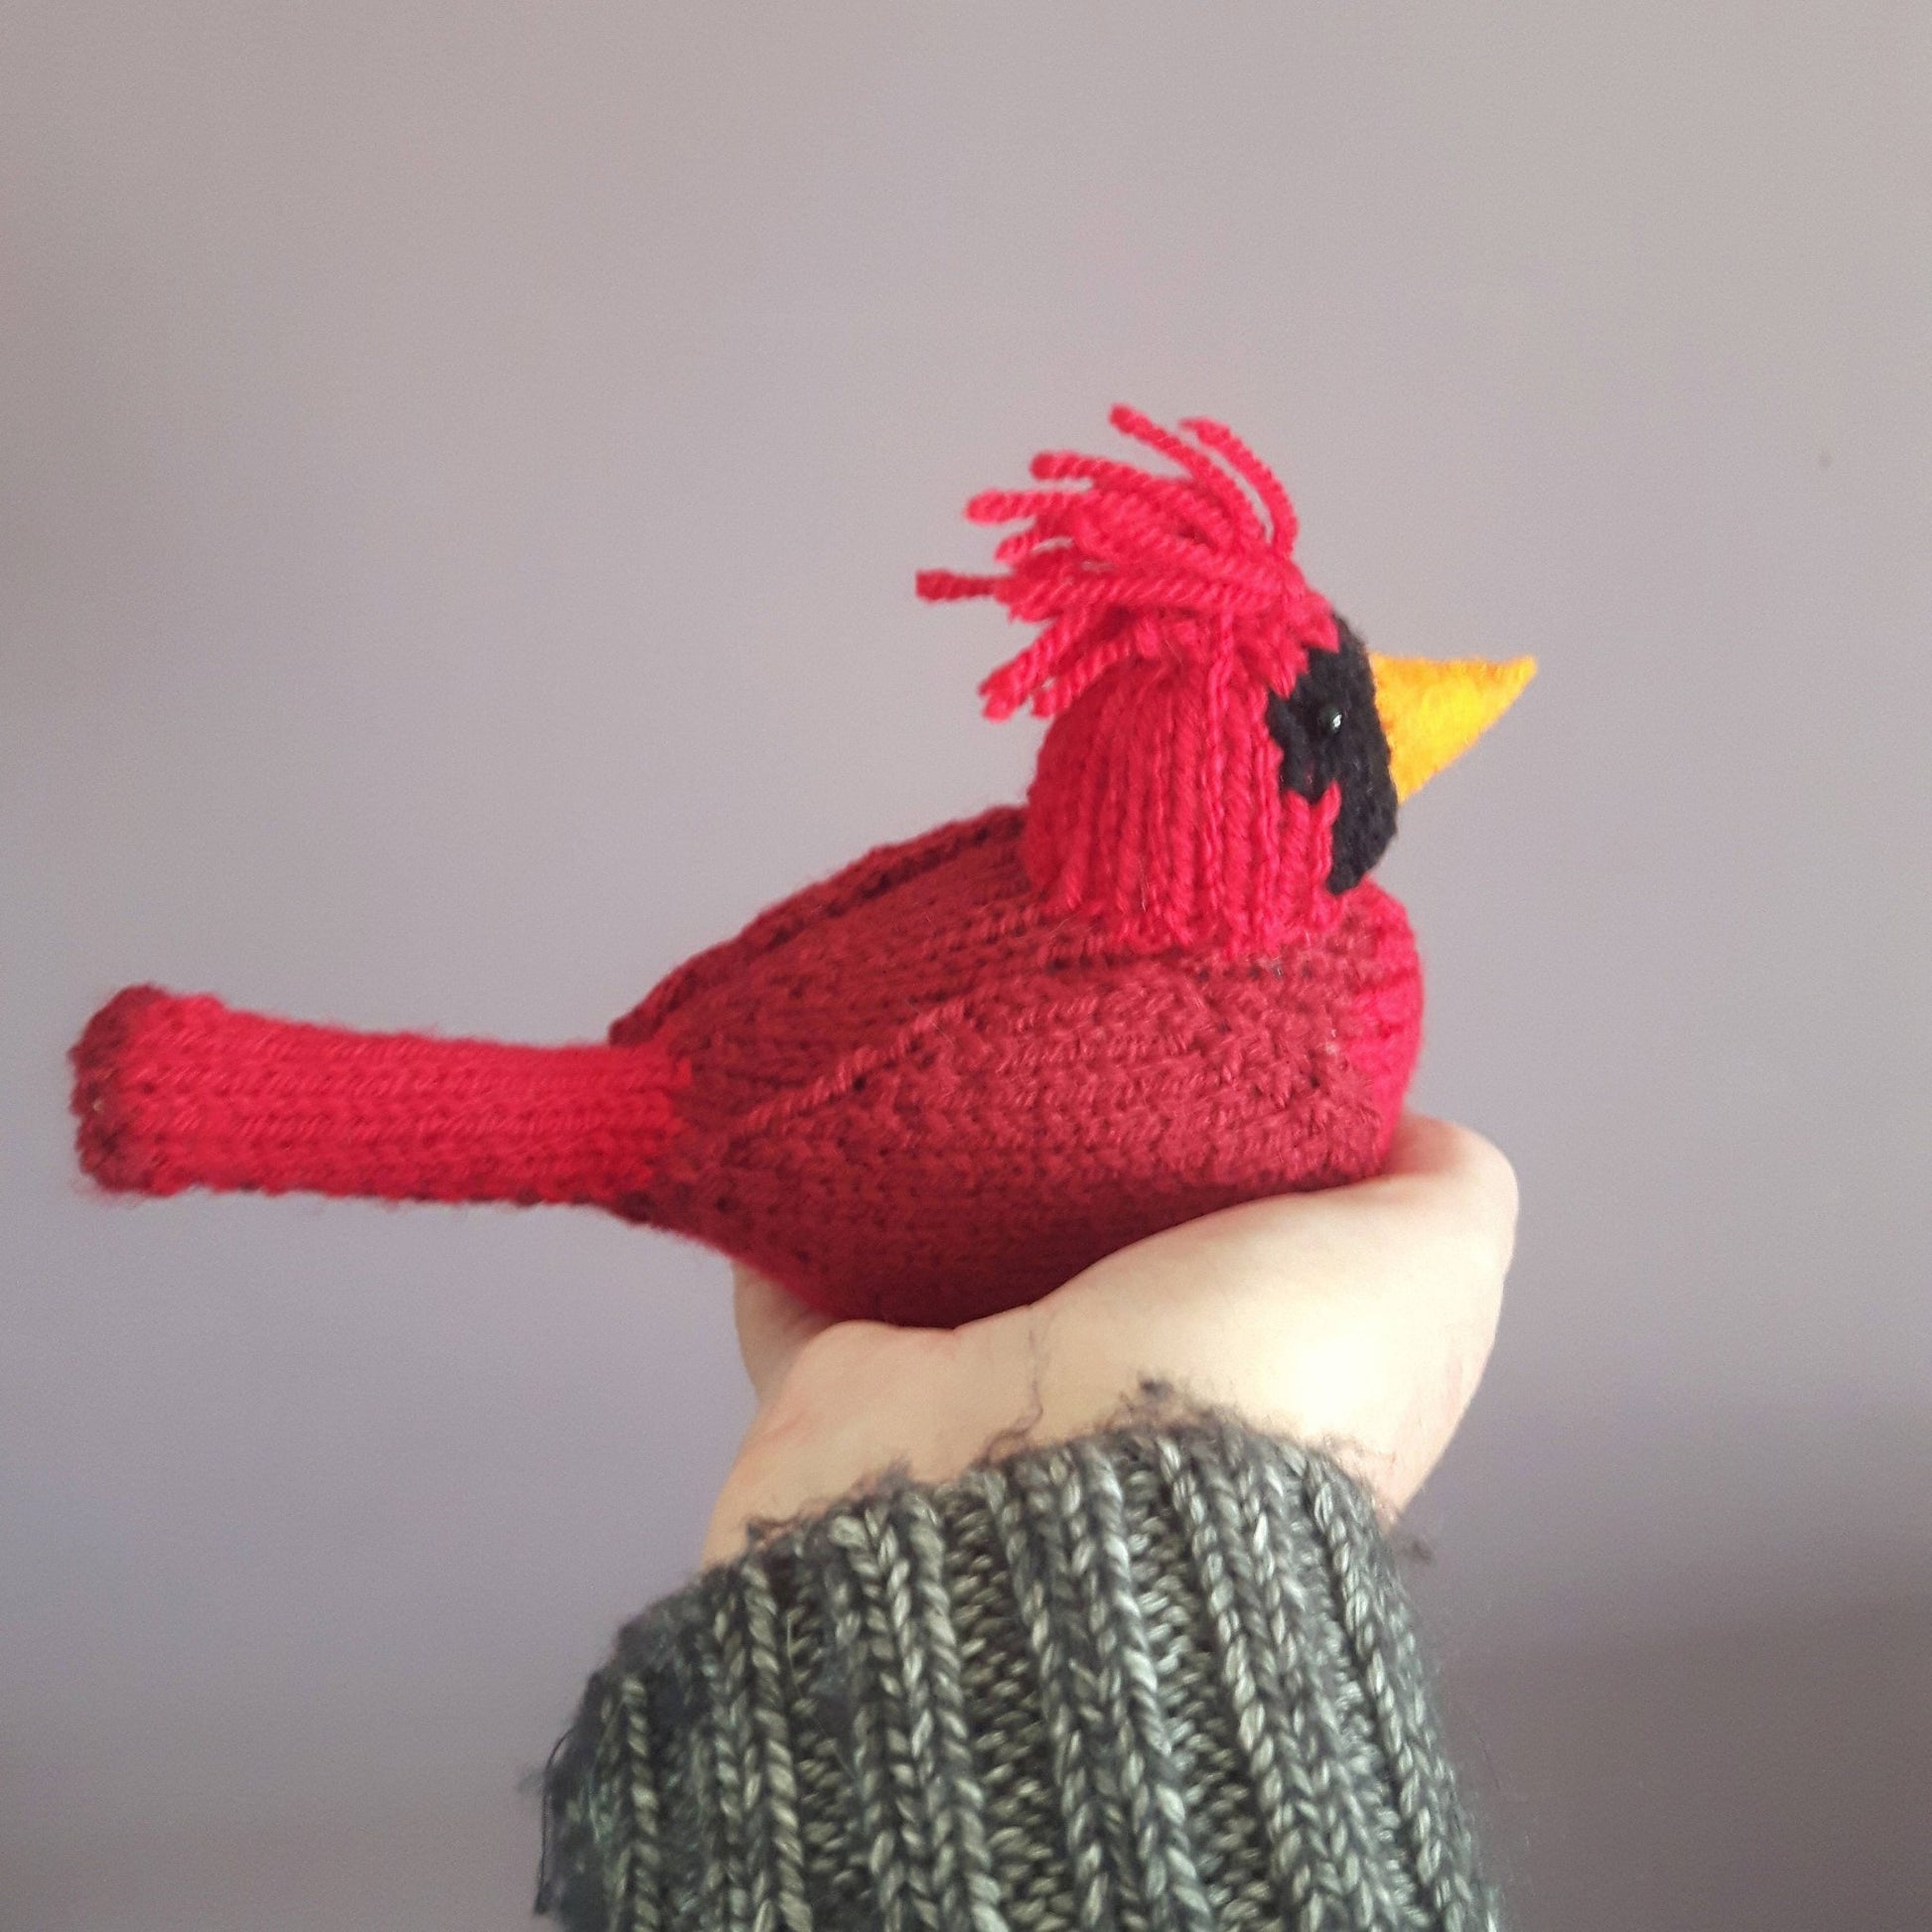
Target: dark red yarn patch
{"points": [[927, 1099]]}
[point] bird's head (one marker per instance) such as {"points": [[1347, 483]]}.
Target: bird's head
{"points": [[1225, 757]]}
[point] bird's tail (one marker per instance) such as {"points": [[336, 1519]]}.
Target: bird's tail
{"points": [[179, 1092]]}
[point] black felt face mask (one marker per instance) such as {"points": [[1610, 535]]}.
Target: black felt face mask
{"points": [[1330, 734]]}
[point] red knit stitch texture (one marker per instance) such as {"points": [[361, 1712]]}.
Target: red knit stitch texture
{"points": [[175, 1093], [1011, 1095], [946, 1080], [912, 1092]]}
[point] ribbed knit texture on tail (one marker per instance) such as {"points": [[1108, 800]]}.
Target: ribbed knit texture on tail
{"points": [[1160, 1680], [174, 1093]]}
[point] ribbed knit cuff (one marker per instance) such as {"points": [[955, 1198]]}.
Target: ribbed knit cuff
{"points": [[1160, 1680]]}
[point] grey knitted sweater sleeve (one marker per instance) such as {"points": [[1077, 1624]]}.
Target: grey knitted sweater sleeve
{"points": [[1159, 1680]]}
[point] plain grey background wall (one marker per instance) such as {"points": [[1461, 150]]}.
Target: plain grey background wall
{"points": [[465, 466]]}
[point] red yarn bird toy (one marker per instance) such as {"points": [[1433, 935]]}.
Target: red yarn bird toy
{"points": [[946, 1079]]}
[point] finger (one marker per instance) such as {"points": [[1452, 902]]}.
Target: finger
{"points": [[1424, 1145], [772, 1327], [1454, 1172], [1427, 1146], [1459, 1190]]}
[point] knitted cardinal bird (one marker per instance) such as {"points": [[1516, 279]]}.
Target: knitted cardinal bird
{"points": [[946, 1079]]}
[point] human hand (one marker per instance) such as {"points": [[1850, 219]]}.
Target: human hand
{"points": [[1357, 1321]]}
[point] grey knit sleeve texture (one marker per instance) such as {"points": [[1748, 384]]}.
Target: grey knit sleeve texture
{"points": [[1163, 1679]]}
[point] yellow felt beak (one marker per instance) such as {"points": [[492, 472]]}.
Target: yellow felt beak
{"points": [[1433, 712]]}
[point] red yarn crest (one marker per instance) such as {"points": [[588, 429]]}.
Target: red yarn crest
{"points": [[1137, 565], [1173, 606]]}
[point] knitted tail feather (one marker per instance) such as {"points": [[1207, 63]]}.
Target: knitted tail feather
{"points": [[179, 1092]]}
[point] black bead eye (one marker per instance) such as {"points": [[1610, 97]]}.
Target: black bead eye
{"points": [[1327, 721]]}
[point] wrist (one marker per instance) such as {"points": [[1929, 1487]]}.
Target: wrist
{"points": [[1164, 1663]]}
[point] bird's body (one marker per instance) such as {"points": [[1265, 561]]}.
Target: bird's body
{"points": [[918, 1094], [949, 1078], [909, 1092]]}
